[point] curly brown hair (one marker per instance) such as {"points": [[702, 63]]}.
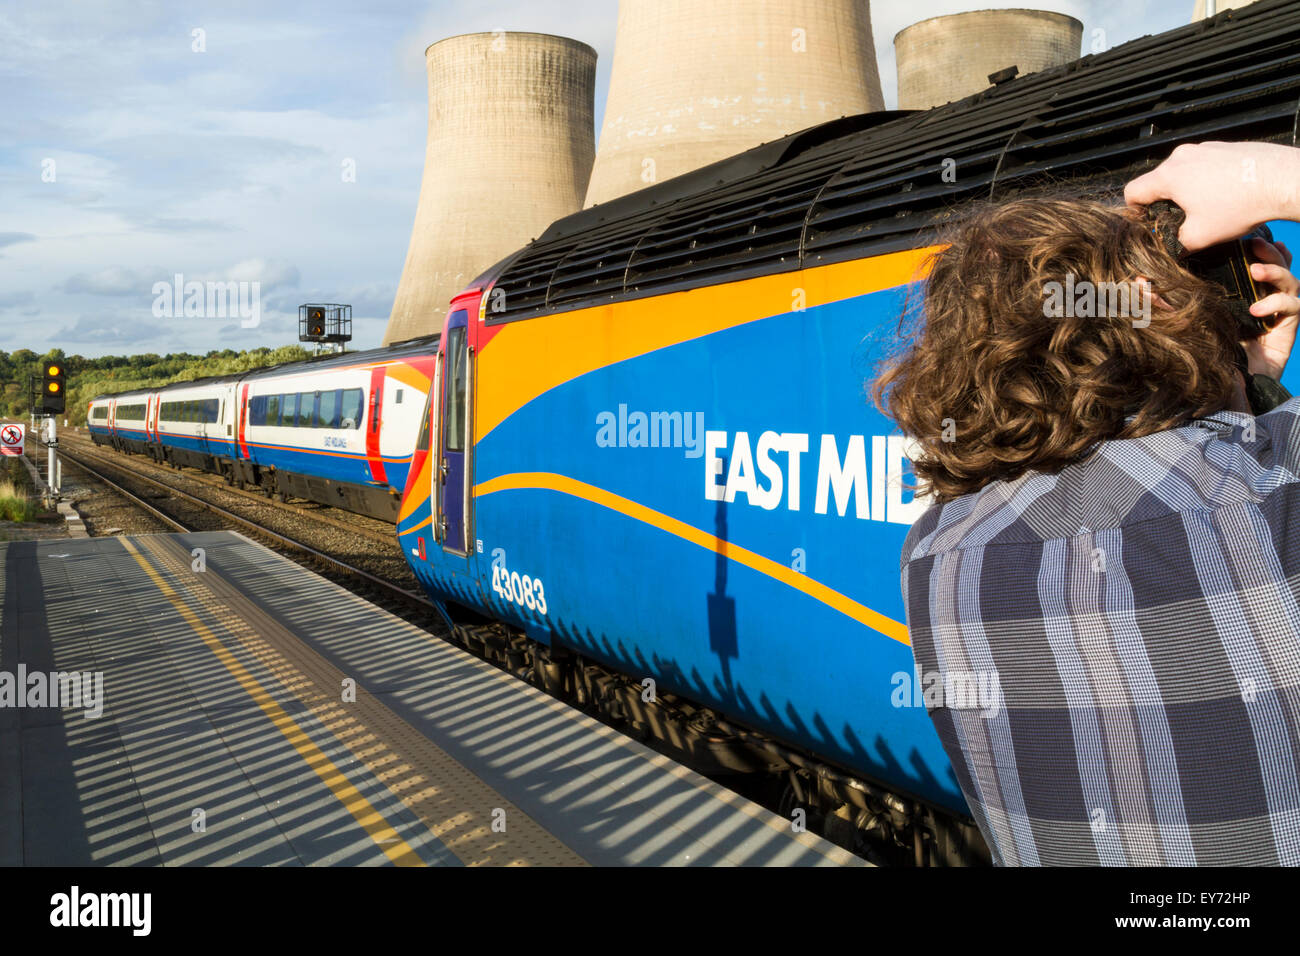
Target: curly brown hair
{"points": [[991, 385]]}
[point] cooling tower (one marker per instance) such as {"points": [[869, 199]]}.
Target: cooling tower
{"points": [[948, 58], [510, 148], [694, 82], [1219, 7]]}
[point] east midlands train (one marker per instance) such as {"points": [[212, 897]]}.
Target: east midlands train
{"points": [[337, 429], [647, 475], [651, 455]]}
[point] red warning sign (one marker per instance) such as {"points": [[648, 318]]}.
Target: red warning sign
{"points": [[11, 440]]}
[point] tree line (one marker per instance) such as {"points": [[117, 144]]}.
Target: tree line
{"points": [[112, 374]]}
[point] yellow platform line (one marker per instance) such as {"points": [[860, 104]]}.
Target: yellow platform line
{"points": [[362, 810], [432, 784]]}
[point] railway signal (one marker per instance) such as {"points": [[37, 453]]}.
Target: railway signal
{"points": [[53, 388], [326, 323]]}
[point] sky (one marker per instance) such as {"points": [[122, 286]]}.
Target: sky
{"points": [[134, 149]]}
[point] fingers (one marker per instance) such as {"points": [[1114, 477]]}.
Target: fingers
{"points": [[1267, 251], [1147, 188], [1286, 253], [1276, 276], [1279, 303], [1198, 233]]}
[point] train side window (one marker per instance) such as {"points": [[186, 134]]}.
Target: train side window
{"points": [[329, 409], [307, 417], [397, 397], [273, 409], [288, 409], [350, 409], [257, 410], [211, 411]]}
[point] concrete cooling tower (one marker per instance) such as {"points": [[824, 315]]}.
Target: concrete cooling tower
{"points": [[1200, 13], [694, 82], [949, 58], [510, 149]]}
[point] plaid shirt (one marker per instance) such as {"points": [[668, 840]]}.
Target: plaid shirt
{"points": [[1138, 615]]}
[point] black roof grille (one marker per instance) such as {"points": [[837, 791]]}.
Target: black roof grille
{"points": [[875, 183]]}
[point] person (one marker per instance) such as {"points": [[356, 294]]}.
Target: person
{"points": [[1113, 536]]}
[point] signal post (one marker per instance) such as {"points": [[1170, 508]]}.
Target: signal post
{"points": [[52, 403]]}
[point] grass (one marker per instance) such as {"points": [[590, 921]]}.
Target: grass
{"points": [[16, 493], [14, 503]]}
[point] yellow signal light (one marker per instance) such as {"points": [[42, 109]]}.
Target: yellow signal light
{"points": [[53, 370]]}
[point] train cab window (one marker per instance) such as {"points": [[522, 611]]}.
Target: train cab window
{"points": [[327, 415], [456, 391], [351, 412], [422, 443]]}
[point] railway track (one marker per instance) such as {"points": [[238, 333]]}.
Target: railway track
{"points": [[369, 584], [357, 524]]}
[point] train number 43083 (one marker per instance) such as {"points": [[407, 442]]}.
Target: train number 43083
{"points": [[522, 590]]}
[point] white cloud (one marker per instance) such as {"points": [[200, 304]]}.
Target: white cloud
{"points": [[102, 330], [116, 280], [271, 274]]}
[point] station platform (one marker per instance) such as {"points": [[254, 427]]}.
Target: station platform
{"points": [[225, 734]]}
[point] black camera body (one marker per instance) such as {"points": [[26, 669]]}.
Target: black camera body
{"points": [[1227, 264]]}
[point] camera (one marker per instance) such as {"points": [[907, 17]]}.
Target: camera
{"points": [[1227, 264]]}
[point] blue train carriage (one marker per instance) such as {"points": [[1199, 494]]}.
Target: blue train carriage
{"points": [[649, 442], [338, 430], [687, 487], [194, 424]]}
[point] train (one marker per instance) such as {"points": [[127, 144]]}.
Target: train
{"points": [[646, 474], [337, 429]]}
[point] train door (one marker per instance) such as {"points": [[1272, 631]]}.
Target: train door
{"points": [[374, 428], [201, 424], [453, 434], [152, 440]]}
